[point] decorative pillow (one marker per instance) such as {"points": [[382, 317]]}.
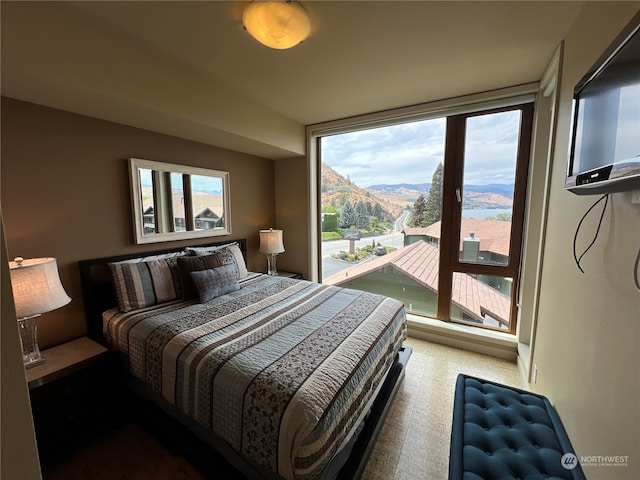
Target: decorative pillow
{"points": [[189, 264], [212, 283], [204, 250], [231, 253], [140, 284]]}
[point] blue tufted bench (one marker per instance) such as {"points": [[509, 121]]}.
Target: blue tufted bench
{"points": [[501, 432]]}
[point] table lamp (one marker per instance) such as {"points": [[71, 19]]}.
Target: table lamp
{"points": [[271, 244], [36, 290]]}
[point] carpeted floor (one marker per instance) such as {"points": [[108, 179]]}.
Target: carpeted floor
{"points": [[413, 444]]}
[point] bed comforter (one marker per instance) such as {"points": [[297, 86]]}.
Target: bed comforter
{"points": [[281, 369]]}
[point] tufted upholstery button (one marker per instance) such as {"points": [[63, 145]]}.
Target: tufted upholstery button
{"points": [[503, 432]]}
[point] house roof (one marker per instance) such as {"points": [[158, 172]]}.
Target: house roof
{"points": [[494, 235], [419, 262]]}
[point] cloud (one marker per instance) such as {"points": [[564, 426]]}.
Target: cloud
{"points": [[405, 153], [410, 152]]}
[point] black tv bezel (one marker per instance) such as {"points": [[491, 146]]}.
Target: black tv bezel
{"points": [[606, 185]]}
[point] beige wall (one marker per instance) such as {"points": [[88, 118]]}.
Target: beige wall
{"points": [[65, 194], [587, 346], [292, 214]]}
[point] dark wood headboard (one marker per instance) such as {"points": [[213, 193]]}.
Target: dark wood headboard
{"points": [[97, 286]]}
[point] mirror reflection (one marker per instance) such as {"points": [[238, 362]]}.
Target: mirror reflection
{"points": [[174, 202]]}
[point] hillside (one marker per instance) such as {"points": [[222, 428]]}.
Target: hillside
{"points": [[474, 196], [336, 190]]}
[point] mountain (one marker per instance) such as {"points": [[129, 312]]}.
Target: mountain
{"points": [[420, 187], [505, 190], [423, 188], [336, 190], [495, 195]]}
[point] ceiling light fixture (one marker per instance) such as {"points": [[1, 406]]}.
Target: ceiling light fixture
{"points": [[276, 24]]}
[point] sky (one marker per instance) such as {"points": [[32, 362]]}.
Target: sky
{"points": [[410, 152]]}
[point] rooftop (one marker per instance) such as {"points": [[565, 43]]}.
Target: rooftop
{"points": [[419, 262], [494, 235]]}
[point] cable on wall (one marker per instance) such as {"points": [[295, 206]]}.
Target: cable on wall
{"points": [[575, 237], [635, 271]]}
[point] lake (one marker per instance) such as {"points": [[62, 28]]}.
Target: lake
{"points": [[484, 212]]}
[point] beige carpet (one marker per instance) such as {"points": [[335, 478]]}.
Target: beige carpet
{"points": [[414, 442]]}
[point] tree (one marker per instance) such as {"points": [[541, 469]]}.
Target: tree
{"points": [[377, 211], [362, 216], [417, 214], [433, 207], [503, 217], [348, 215], [369, 207]]}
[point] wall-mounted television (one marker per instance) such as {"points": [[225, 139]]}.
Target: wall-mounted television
{"points": [[604, 154]]}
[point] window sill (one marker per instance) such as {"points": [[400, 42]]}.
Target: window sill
{"points": [[489, 342]]}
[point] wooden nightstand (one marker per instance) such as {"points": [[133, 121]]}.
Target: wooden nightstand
{"points": [[289, 274], [65, 359], [74, 395]]}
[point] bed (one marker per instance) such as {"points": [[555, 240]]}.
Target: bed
{"points": [[288, 379]]}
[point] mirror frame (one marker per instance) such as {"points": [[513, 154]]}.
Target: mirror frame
{"points": [[135, 165]]}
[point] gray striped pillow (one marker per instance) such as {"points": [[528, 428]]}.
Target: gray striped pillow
{"points": [[146, 283]]}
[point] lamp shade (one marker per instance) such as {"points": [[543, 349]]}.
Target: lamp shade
{"points": [[36, 286], [271, 241], [276, 24]]}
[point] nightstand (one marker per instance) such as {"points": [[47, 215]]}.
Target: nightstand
{"points": [[289, 274], [65, 359], [73, 396]]}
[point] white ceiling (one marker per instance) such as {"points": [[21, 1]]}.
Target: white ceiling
{"points": [[189, 69]]}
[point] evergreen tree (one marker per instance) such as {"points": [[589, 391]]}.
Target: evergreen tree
{"points": [[362, 216], [348, 215], [417, 214], [433, 207], [377, 211], [368, 207]]}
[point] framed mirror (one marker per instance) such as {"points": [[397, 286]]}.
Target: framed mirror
{"points": [[177, 202]]}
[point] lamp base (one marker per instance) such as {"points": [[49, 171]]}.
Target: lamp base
{"points": [[31, 355], [271, 261]]}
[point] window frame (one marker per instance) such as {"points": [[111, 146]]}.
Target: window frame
{"points": [[452, 211], [165, 229], [523, 96]]}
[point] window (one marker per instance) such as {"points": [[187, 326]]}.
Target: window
{"points": [[429, 211]]}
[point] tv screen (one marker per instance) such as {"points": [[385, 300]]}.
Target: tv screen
{"points": [[605, 143]]}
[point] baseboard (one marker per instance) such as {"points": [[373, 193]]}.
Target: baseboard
{"points": [[524, 354]]}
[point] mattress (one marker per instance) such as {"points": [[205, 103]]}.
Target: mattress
{"points": [[282, 370]]}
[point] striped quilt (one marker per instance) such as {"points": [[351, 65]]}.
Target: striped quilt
{"points": [[281, 369]]}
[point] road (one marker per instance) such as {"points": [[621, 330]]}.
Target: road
{"points": [[331, 265]]}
